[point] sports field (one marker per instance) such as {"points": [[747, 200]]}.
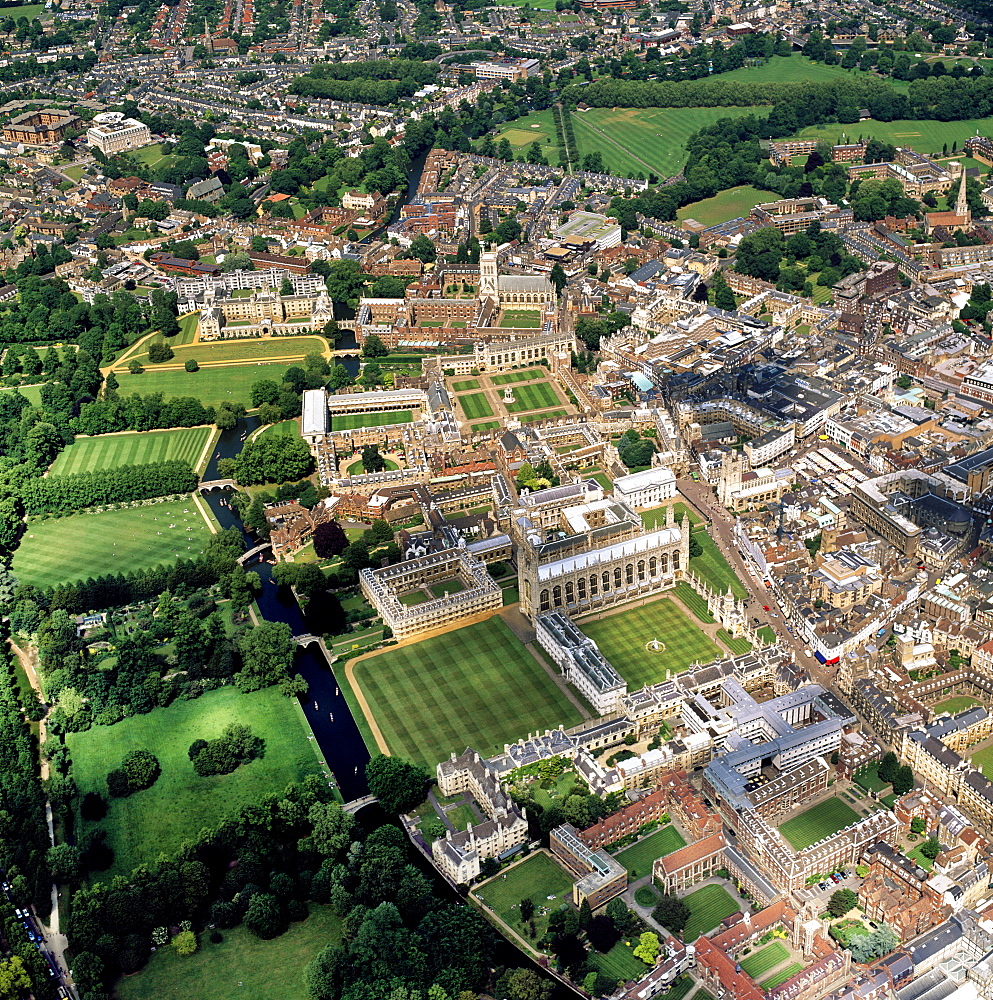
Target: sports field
{"points": [[957, 704], [520, 134], [285, 349], [982, 759], [646, 140], [182, 802], [729, 204], [798, 68], [529, 318], [267, 970], [525, 375], [86, 454], [230, 384], [60, 550], [474, 405], [476, 687], [638, 857], [623, 640], [709, 905], [815, 824], [535, 878], [922, 136], [764, 959], [533, 396], [714, 568], [349, 421]]}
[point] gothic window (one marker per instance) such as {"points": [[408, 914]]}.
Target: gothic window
{"points": [[665, 562], [581, 584], [570, 593], [557, 596], [653, 566], [629, 573], [606, 581], [675, 560], [593, 585], [641, 569], [617, 577], [544, 600]]}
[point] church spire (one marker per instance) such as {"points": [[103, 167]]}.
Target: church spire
{"points": [[962, 202]]}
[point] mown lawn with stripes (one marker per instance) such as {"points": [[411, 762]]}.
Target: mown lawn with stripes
{"points": [[709, 905], [623, 640], [475, 687], [66, 549], [533, 396], [107, 451], [815, 824], [767, 958], [474, 405], [526, 375], [642, 140]]}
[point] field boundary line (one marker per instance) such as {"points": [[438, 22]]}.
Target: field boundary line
{"points": [[198, 500], [212, 439]]}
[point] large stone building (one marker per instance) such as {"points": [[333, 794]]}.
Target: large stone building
{"points": [[264, 312], [515, 291], [39, 128], [112, 133], [580, 551]]}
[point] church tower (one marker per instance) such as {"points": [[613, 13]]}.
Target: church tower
{"points": [[208, 40], [488, 279]]}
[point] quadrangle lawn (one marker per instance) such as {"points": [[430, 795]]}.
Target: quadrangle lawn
{"points": [[714, 568], [526, 375], [475, 687], [709, 905], [778, 978], [60, 550], [107, 451], [639, 857], [269, 970], [619, 963], [467, 385], [181, 802], [350, 421], [983, 761], [535, 878], [759, 963], [527, 318], [622, 638], [474, 405], [534, 396], [957, 704], [815, 824], [212, 386]]}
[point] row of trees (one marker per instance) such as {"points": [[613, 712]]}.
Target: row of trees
{"points": [[122, 484]]}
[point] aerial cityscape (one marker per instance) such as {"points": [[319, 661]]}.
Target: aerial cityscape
{"points": [[579, 415]]}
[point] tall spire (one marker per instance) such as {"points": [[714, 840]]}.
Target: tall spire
{"points": [[962, 203]]}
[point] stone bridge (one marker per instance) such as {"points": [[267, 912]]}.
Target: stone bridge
{"points": [[251, 553], [216, 484], [306, 640], [356, 804]]}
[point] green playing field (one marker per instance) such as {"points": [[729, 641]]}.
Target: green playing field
{"points": [[87, 454], [815, 824], [60, 550], [623, 639], [476, 687]]}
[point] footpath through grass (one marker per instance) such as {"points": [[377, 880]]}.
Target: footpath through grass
{"points": [[475, 687], [623, 639], [815, 824], [181, 802], [64, 549], [242, 965], [535, 878], [107, 451]]}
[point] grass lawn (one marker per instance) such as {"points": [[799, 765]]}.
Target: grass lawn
{"points": [[350, 421], [780, 977], [357, 469], [915, 855], [487, 425], [474, 405], [476, 687], [655, 517], [765, 959], [982, 759], [709, 905], [694, 602], [923, 136], [619, 962], [645, 140], [535, 878], [530, 418], [160, 818], [713, 567], [59, 550], [729, 204], [230, 384], [767, 635], [738, 646], [539, 126], [153, 156], [287, 349], [622, 638], [461, 817], [527, 375], [957, 704], [268, 970], [602, 479], [467, 385], [534, 396], [446, 587], [869, 780], [529, 318], [796, 68], [815, 824], [639, 857], [415, 597], [284, 429], [107, 451], [32, 393]]}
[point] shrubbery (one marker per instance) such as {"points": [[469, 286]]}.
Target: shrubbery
{"points": [[139, 770], [235, 746]]}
